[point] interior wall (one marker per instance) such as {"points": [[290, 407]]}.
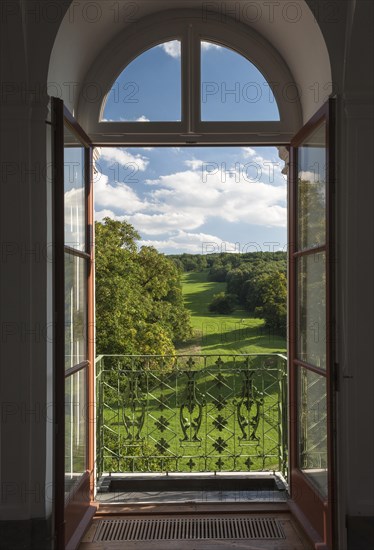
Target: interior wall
{"points": [[26, 428], [356, 257]]}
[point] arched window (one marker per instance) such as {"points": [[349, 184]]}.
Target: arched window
{"points": [[149, 88], [232, 88], [181, 80]]}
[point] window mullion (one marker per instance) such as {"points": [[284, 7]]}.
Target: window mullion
{"points": [[193, 84], [186, 81]]}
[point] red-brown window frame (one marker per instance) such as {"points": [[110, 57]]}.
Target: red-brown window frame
{"points": [[320, 512], [67, 515]]}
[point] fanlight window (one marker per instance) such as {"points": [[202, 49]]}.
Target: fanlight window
{"points": [[149, 88], [232, 88], [207, 82]]}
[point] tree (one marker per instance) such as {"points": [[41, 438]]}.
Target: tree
{"points": [[218, 272], [223, 303], [311, 212], [138, 295], [273, 288]]}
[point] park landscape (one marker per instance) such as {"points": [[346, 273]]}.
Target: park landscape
{"points": [[195, 382]]}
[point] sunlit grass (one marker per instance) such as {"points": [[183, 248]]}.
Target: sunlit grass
{"points": [[237, 332]]}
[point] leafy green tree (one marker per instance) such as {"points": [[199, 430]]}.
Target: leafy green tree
{"points": [[138, 295], [218, 272], [273, 289], [223, 303], [311, 212]]}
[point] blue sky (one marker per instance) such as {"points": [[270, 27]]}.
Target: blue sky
{"points": [[194, 199]]}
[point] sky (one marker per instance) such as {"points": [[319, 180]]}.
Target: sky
{"points": [[194, 199]]}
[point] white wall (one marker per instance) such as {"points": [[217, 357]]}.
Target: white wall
{"points": [[26, 39]]}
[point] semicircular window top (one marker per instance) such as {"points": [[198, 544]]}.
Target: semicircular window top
{"points": [[149, 88], [232, 88]]}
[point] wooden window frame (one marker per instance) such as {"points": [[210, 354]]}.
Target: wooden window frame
{"points": [[319, 511], [68, 515]]}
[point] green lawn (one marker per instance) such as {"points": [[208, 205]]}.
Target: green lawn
{"points": [[219, 334], [204, 421]]}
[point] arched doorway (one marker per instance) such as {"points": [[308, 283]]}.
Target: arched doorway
{"points": [[192, 32]]}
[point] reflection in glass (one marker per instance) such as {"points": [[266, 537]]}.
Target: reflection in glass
{"points": [[75, 311], [74, 190], [75, 428], [311, 309], [232, 88], [312, 444], [311, 190], [149, 88]]}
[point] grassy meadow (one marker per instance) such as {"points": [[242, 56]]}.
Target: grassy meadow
{"points": [[221, 334]]}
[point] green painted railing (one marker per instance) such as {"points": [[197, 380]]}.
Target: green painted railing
{"points": [[197, 413]]}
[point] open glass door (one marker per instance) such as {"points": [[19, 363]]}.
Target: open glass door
{"points": [[310, 335], [74, 315]]}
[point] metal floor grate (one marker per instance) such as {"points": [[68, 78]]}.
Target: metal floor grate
{"points": [[191, 528]]}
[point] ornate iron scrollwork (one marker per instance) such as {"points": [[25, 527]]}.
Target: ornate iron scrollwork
{"points": [[134, 407], [250, 399], [191, 412], [226, 414]]}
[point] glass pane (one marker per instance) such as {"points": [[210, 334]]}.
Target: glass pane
{"points": [[74, 187], [232, 88], [149, 88], [75, 428], [312, 448], [75, 311], [311, 309], [311, 190]]}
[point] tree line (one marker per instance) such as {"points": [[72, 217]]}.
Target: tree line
{"points": [[255, 281]]}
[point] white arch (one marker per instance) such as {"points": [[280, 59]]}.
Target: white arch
{"points": [[86, 32], [190, 28]]}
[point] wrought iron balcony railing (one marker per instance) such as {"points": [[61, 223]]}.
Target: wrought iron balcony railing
{"points": [[195, 413]]}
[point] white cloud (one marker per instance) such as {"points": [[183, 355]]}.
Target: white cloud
{"points": [[159, 224], [141, 118], [176, 205], [117, 196], [123, 157], [195, 164], [193, 243], [210, 46], [105, 213], [220, 194], [172, 48], [270, 169], [249, 152]]}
